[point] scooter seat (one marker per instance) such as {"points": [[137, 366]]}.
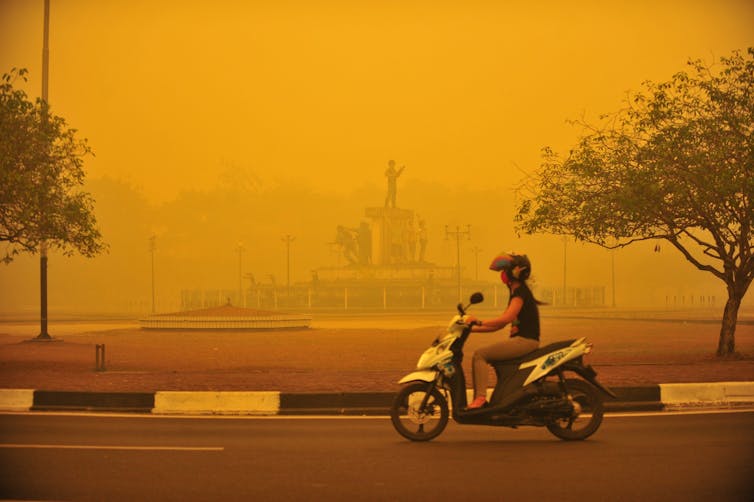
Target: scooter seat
{"points": [[537, 353]]}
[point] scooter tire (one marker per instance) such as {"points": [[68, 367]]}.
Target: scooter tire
{"points": [[413, 423], [590, 401]]}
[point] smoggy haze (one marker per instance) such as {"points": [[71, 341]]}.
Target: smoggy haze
{"points": [[219, 123]]}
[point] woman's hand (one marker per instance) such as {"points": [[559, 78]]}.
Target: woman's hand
{"points": [[471, 320]]}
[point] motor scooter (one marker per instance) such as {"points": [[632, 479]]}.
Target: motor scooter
{"points": [[530, 390]]}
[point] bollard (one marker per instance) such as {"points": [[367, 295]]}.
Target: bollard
{"points": [[99, 357]]}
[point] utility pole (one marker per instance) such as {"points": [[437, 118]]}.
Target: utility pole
{"points": [[43, 334], [152, 249], [288, 239], [458, 233], [565, 245], [240, 274]]}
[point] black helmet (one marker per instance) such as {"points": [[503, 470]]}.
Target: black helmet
{"points": [[516, 266]]}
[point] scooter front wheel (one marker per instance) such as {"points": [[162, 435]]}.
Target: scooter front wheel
{"points": [[418, 415]]}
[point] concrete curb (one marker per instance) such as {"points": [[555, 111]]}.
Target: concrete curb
{"points": [[16, 399], [219, 403], [675, 395], [642, 398]]}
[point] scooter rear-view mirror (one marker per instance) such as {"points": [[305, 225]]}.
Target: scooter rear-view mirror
{"points": [[476, 298]]}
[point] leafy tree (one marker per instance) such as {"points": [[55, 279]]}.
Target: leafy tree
{"points": [[677, 163], [41, 171]]}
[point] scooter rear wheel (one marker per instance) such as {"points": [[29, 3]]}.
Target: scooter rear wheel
{"points": [[414, 422], [587, 416]]}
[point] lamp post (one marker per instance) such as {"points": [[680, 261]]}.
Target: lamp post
{"points": [[565, 245], [458, 233], [152, 249], [288, 239], [241, 249]]}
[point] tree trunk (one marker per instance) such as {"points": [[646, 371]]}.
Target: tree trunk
{"points": [[727, 343]]}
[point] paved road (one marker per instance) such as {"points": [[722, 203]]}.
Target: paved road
{"points": [[669, 457]]}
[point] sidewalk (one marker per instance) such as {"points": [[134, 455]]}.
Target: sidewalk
{"points": [[337, 368]]}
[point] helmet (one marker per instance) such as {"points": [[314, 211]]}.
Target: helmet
{"points": [[515, 266]]}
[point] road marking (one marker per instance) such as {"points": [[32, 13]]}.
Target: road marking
{"points": [[110, 447], [672, 413]]}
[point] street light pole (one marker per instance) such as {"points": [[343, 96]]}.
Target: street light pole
{"points": [[458, 233], [565, 244], [240, 274], [152, 248], [288, 239]]}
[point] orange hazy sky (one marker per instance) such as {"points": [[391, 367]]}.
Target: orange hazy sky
{"points": [[171, 94], [317, 96]]}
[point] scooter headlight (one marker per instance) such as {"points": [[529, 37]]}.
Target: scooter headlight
{"points": [[448, 369]]}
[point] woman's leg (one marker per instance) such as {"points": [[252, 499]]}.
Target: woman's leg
{"points": [[507, 349]]}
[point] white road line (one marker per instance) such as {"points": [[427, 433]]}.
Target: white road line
{"points": [[110, 447], [672, 413]]}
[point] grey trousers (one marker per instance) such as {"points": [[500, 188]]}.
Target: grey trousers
{"points": [[509, 348]]}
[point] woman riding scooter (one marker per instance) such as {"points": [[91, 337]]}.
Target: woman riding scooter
{"points": [[522, 314]]}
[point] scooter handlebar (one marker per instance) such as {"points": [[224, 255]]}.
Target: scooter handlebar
{"points": [[475, 322]]}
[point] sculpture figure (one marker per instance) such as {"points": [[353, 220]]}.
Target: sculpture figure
{"points": [[392, 183]]}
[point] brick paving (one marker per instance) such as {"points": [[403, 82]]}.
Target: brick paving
{"points": [[341, 359]]}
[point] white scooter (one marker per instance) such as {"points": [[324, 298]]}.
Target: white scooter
{"points": [[530, 390]]}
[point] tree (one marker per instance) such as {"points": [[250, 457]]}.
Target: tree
{"points": [[41, 172], [677, 163]]}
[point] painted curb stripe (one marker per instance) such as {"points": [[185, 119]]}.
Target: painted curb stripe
{"points": [[717, 392], [252, 403], [16, 399], [644, 398], [647, 393], [65, 400], [366, 403]]}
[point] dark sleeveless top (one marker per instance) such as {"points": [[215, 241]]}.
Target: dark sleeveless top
{"points": [[527, 321]]}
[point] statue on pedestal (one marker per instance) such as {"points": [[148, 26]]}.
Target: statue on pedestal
{"points": [[392, 182]]}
